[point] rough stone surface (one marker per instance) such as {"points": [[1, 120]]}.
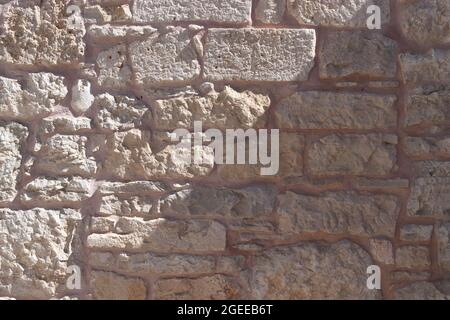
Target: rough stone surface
{"points": [[290, 273], [425, 22], [371, 155], [104, 166], [430, 197], [216, 287], [38, 96], [443, 233], [65, 155], [171, 56], [338, 213], [36, 246], [37, 33], [337, 13], [428, 108], [420, 291], [129, 155], [162, 235], [357, 53], [430, 67], [110, 286], [227, 109], [270, 11], [329, 110], [259, 54], [12, 138], [221, 11]]}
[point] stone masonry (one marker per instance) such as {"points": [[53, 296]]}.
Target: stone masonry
{"points": [[90, 92]]}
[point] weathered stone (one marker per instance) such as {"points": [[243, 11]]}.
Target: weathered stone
{"points": [[414, 232], [270, 11], [427, 147], [37, 33], [290, 161], [96, 14], [114, 71], [303, 272], [41, 93], [217, 287], [122, 13], [129, 206], [357, 53], [65, 124], [332, 13], [382, 250], [102, 224], [259, 54], [428, 108], [146, 264], [107, 34], [330, 110], [65, 155], [117, 113], [135, 187], [162, 235], [250, 202], [420, 291], [443, 235], [228, 109], [432, 168], [363, 155], [413, 257], [430, 197], [220, 11], [426, 22], [431, 67], [36, 246], [12, 138], [130, 156], [66, 191], [338, 213], [81, 96], [110, 286], [170, 56]]}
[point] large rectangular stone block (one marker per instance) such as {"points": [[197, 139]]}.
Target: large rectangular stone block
{"points": [[259, 54]]}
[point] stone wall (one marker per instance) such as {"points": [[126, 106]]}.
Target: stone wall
{"points": [[90, 176]]}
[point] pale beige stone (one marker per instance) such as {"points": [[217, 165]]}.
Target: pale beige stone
{"points": [[12, 139], [114, 71], [168, 11], [163, 57], [336, 13], [330, 110], [412, 257], [259, 54], [36, 249], [39, 96], [357, 53], [65, 155], [270, 11], [227, 109], [38, 33], [111, 286], [217, 287], [194, 236], [130, 156], [362, 155], [345, 213], [312, 271], [382, 250]]}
